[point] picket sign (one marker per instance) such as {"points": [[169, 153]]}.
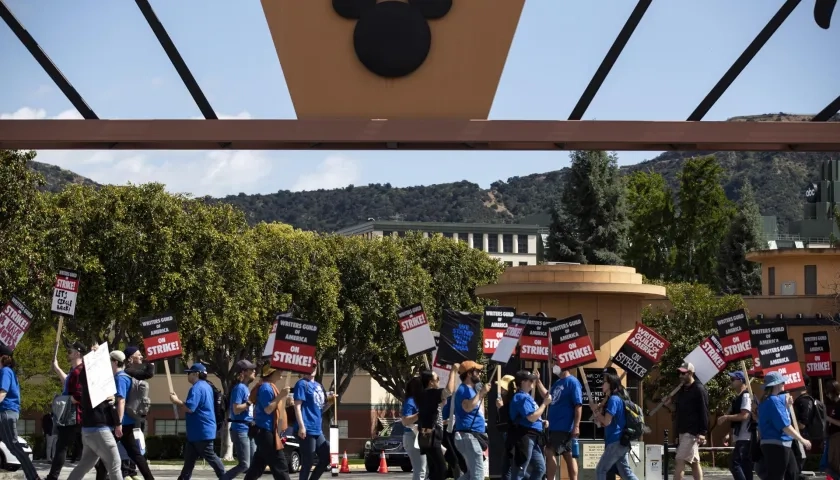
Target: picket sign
{"points": [[162, 341], [65, 292]]}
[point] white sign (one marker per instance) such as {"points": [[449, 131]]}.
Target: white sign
{"points": [[65, 292], [100, 376], [508, 343], [416, 330], [592, 452], [269, 344], [707, 359], [334, 434]]}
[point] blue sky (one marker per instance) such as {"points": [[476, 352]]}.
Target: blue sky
{"points": [[679, 51]]}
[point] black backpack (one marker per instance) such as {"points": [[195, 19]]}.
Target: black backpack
{"points": [[634, 417], [814, 417], [219, 407]]}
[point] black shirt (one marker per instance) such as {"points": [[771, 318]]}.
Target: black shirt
{"points": [[692, 404], [102, 415], [429, 414], [832, 410]]}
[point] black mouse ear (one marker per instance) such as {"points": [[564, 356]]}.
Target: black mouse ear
{"points": [[823, 9], [432, 9], [352, 9]]}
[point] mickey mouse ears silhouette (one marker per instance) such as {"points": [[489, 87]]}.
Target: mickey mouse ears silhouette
{"points": [[823, 9]]}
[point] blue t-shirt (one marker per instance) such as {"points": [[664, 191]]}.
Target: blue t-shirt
{"points": [[238, 396], [521, 406], [311, 395], [9, 384], [201, 423], [566, 394], [123, 382], [773, 417], [613, 431], [265, 395], [447, 407], [409, 407], [472, 421]]}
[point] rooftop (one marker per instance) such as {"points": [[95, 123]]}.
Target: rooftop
{"points": [[442, 227]]}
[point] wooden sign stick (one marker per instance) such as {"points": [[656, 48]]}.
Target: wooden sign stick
{"points": [[58, 336], [171, 388], [749, 382], [662, 403]]}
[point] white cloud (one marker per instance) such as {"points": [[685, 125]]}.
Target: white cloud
{"points": [[334, 172]]}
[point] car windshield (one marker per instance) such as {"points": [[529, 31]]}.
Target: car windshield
{"points": [[396, 429]]}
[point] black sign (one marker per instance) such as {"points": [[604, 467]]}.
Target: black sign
{"points": [[643, 349], [764, 335], [781, 357], [158, 325], [498, 318], [595, 379], [534, 343], [816, 342], [293, 330], [294, 345], [459, 335], [161, 339], [570, 342], [812, 193]]}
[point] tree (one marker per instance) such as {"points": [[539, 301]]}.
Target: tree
{"points": [[704, 215], [33, 362], [589, 223], [736, 274], [651, 213]]}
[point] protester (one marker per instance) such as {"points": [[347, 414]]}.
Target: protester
{"points": [[527, 427], [241, 419], [612, 418], [776, 431], [470, 426], [141, 371], [811, 419], [201, 423], [454, 460], [563, 421], [503, 422], [270, 419], [69, 435], [430, 421], [832, 410], [48, 428], [692, 406], [310, 402], [128, 441], [740, 418], [410, 414], [10, 411]]}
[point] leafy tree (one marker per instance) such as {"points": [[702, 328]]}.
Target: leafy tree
{"points": [[33, 361], [651, 212], [704, 215], [736, 274], [589, 223]]}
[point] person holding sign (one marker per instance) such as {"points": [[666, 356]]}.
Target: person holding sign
{"points": [[201, 422], [410, 414], [470, 426], [612, 417], [269, 420], [776, 430], [124, 384], [241, 418], [69, 435], [527, 427], [310, 402], [430, 421], [563, 421], [10, 411]]}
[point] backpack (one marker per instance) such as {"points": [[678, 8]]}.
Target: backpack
{"points": [[138, 403], [220, 407], [63, 411], [813, 417], [634, 420]]}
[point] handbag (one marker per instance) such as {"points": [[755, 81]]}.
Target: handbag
{"points": [[63, 411], [425, 438]]}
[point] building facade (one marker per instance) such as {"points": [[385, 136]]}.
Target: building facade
{"points": [[513, 244]]}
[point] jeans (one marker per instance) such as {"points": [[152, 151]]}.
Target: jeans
{"points": [[99, 445], [203, 449], [308, 447], [454, 459], [741, 465], [535, 460], [267, 455], [617, 455], [67, 437], [506, 460], [469, 447], [418, 460], [243, 450], [9, 436], [51, 441]]}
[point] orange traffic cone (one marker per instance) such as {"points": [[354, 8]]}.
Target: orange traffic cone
{"points": [[383, 464], [345, 465]]}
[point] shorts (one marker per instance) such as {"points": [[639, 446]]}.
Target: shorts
{"points": [[560, 442], [688, 449]]}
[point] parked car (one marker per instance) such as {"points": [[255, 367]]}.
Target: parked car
{"points": [[389, 441], [292, 450], [8, 461]]}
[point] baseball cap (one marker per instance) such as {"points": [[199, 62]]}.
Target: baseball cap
{"points": [[130, 350], [118, 356], [772, 379], [196, 368], [245, 365], [523, 375], [505, 382], [686, 367], [738, 376], [469, 365], [5, 350], [79, 347]]}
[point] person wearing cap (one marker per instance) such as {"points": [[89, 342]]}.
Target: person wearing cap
{"points": [[563, 421], [127, 439], [201, 422], [310, 402], [470, 426], [10, 411], [69, 435], [739, 416], [270, 419], [526, 428], [138, 370], [692, 405], [503, 420], [241, 418], [776, 430]]}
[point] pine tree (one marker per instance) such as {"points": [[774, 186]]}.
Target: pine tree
{"points": [[589, 223], [737, 275]]}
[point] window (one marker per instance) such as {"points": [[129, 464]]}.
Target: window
{"points": [[447, 235], [387, 233], [478, 241], [401, 234], [463, 237], [810, 279], [343, 429], [771, 281], [508, 264], [25, 427], [597, 334], [523, 264], [493, 243], [522, 243], [507, 243], [170, 427], [176, 366]]}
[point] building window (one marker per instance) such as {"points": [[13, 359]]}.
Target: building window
{"points": [[597, 334], [176, 366], [523, 264], [401, 234], [463, 237], [493, 243], [343, 429], [25, 427], [478, 241], [387, 233], [771, 281], [508, 264], [447, 235], [522, 243], [810, 279], [507, 243], [170, 427]]}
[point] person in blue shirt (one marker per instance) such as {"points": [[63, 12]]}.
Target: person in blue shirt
{"points": [[10, 411], [201, 423], [241, 418], [410, 413], [310, 402], [129, 443], [270, 419], [563, 421], [613, 420], [527, 427], [470, 426], [776, 431]]}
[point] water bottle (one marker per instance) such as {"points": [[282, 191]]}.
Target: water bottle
{"points": [[575, 448]]}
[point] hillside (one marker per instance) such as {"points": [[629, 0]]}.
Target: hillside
{"points": [[58, 178]]}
